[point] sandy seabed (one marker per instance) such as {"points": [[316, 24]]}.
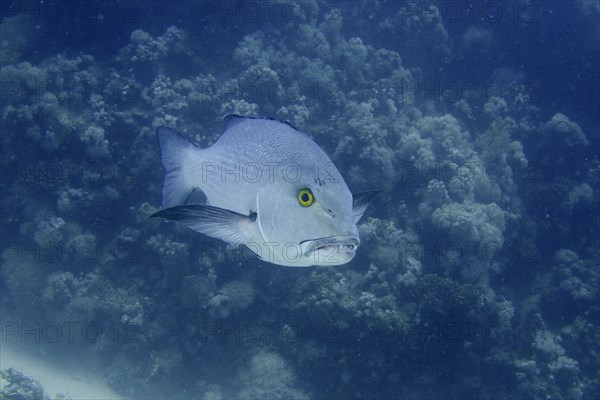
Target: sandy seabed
{"points": [[77, 381]]}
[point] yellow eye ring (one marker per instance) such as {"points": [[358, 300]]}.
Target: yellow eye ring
{"points": [[306, 197]]}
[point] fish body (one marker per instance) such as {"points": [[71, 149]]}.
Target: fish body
{"points": [[264, 185]]}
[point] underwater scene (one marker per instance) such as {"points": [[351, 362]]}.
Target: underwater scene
{"points": [[311, 199]]}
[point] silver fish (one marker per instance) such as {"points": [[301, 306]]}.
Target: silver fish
{"points": [[267, 186]]}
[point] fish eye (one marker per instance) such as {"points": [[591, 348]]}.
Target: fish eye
{"points": [[305, 197]]}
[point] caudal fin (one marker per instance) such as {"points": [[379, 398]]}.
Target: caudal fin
{"points": [[175, 151]]}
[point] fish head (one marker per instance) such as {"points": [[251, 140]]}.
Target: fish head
{"points": [[308, 223]]}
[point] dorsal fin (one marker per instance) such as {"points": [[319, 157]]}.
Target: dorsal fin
{"points": [[233, 119]]}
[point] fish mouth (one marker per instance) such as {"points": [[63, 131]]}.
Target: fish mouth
{"points": [[332, 247]]}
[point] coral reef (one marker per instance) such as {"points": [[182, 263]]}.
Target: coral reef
{"points": [[232, 297], [16, 385], [269, 377], [477, 272]]}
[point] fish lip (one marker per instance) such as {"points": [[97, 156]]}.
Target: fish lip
{"points": [[347, 243]]}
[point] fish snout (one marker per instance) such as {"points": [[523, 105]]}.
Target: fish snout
{"points": [[333, 250]]}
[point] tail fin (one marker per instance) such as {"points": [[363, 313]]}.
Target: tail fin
{"points": [[174, 151]]}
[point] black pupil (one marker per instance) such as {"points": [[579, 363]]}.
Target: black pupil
{"points": [[305, 197]]}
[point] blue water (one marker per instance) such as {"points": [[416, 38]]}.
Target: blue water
{"points": [[477, 275]]}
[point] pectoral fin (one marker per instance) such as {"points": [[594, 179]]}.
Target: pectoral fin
{"points": [[360, 202], [216, 222]]}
